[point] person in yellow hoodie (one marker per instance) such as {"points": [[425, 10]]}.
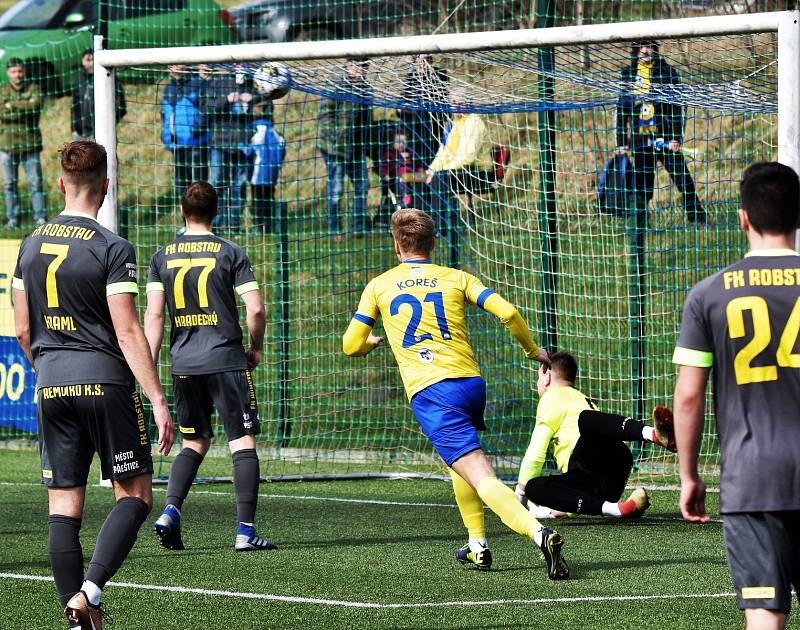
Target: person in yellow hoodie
{"points": [[463, 163], [589, 448]]}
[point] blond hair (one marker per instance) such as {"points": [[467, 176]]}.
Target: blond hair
{"points": [[413, 230]]}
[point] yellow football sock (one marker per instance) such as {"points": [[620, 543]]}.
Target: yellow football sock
{"points": [[470, 506], [503, 502]]}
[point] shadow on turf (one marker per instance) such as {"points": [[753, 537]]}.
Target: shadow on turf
{"points": [[361, 542], [15, 567], [628, 564]]}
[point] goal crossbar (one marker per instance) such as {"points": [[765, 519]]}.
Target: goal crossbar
{"points": [[451, 43], [785, 23]]}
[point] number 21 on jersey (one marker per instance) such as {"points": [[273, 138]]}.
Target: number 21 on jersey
{"points": [[410, 337]]}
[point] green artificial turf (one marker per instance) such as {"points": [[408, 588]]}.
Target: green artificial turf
{"points": [[337, 545]]}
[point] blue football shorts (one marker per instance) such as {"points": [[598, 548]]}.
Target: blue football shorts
{"points": [[450, 413]]}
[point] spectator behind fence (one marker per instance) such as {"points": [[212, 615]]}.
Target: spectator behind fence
{"points": [[21, 142], [653, 130], [183, 130], [267, 150], [83, 99], [342, 138], [397, 163], [228, 102], [462, 164]]}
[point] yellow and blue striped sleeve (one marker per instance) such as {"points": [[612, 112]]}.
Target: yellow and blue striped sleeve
{"points": [[491, 302], [355, 341], [367, 311], [474, 290]]}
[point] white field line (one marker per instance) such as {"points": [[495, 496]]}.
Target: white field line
{"points": [[371, 501], [355, 604]]}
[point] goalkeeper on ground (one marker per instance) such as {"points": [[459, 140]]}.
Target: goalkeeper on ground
{"points": [[589, 449], [423, 310]]}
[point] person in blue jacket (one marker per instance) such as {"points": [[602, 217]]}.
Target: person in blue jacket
{"points": [[267, 150], [184, 132]]}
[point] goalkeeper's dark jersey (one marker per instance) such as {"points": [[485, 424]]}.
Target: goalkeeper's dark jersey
{"points": [[200, 275], [68, 268], [743, 323]]}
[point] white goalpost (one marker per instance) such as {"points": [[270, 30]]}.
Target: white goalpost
{"points": [[608, 286]]}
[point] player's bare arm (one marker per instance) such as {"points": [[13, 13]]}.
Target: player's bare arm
{"points": [[689, 411], [256, 325], [154, 322], [22, 326], [134, 347]]}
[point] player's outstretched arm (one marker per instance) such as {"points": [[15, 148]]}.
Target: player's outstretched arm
{"points": [[154, 322], [134, 347], [511, 319], [689, 411], [358, 340], [22, 324], [256, 325], [534, 458]]}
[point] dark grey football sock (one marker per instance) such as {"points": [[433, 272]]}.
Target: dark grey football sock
{"points": [[246, 477], [181, 476], [116, 539], [66, 555]]}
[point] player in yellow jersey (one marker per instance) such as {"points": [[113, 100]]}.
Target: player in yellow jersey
{"points": [[423, 310], [589, 449]]}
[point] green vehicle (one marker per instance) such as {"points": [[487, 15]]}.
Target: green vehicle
{"points": [[50, 35]]}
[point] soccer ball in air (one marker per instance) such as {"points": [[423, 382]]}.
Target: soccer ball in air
{"points": [[272, 80]]}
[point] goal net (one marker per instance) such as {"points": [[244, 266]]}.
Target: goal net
{"points": [[596, 251]]}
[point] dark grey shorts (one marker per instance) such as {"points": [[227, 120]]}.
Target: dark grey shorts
{"points": [[77, 421], [764, 557], [232, 393]]}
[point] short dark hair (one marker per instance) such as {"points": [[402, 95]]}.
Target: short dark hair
{"points": [[14, 62], [650, 43], [84, 163], [199, 201], [413, 230], [564, 365], [770, 193], [88, 51]]}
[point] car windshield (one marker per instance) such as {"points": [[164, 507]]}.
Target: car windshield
{"points": [[30, 14]]}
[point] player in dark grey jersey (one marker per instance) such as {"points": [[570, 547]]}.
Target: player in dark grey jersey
{"points": [[742, 324], [76, 320], [198, 276]]}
